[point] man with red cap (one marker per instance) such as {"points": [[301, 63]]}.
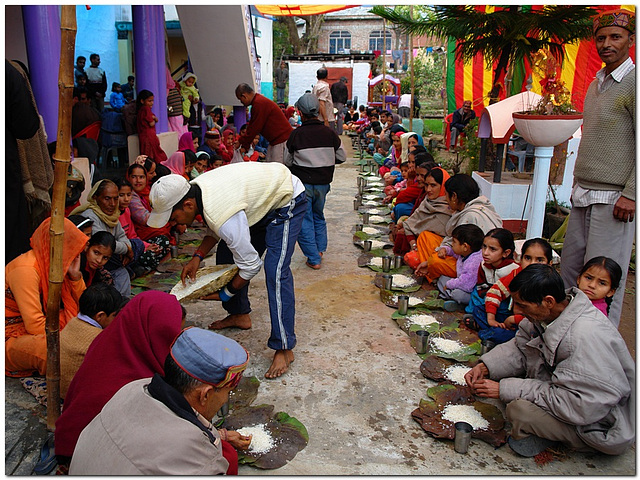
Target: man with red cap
{"points": [[602, 220]]}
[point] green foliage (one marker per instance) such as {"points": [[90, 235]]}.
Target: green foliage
{"points": [[470, 151], [281, 41]]}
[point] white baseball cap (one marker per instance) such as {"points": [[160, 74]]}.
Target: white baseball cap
{"points": [[165, 193]]}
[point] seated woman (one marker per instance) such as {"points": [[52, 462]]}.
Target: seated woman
{"points": [[133, 347], [431, 215], [188, 141], [463, 196], [102, 208], [26, 286], [394, 158], [177, 163], [141, 209]]}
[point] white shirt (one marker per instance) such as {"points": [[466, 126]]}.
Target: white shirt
{"points": [[606, 81]]}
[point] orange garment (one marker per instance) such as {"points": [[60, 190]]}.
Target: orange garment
{"points": [[26, 292], [427, 243]]}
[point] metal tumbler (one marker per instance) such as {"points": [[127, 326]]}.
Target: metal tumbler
{"points": [[397, 261], [486, 345], [356, 204], [174, 251], [224, 410], [387, 281], [359, 180], [463, 437], [365, 217], [358, 227], [403, 304], [361, 189], [386, 263], [422, 340], [367, 245]]}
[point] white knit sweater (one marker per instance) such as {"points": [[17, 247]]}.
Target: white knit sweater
{"points": [[256, 188]]}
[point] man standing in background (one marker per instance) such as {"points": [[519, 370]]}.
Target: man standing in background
{"points": [[322, 90], [282, 77], [339, 96], [96, 82]]}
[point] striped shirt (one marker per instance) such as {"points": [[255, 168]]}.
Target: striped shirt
{"points": [[606, 81]]}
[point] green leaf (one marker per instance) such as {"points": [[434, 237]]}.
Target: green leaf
{"points": [[285, 419]]}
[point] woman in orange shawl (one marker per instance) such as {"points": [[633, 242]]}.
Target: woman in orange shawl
{"points": [[26, 291]]}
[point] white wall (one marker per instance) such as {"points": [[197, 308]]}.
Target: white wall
{"points": [[264, 47], [302, 77]]}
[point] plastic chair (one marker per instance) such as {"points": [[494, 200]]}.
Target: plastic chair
{"points": [[447, 139], [91, 131]]}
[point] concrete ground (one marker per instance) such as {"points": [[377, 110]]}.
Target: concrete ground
{"points": [[354, 382]]}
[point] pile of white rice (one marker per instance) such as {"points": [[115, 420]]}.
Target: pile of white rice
{"points": [[370, 202], [371, 231], [262, 440], [377, 244], [376, 261], [413, 301], [456, 373], [422, 319], [465, 413], [402, 281], [374, 211], [370, 197], [446, 346], [376, 219]]}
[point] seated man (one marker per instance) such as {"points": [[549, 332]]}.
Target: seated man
{"points": [[98, 305], [459, 122], [567, 376], [162, 425]]}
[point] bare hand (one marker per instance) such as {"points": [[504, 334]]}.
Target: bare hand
{"points": [[442, 253], [510, 322], [180, 228], [212, 296], [624, 210], [74, 269], [154, 248], [421, 270], [237, 441], [189, 270], [476, 374], [487, 388], [140, 159]]}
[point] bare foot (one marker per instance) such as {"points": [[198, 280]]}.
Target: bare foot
{"points": [[281, 361], [241, 321]]}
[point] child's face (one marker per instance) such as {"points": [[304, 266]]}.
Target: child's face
{"points": [[86, 231], [138, 179], [596, 283], [228, 140], [534, 254], [82, 81], [98, 256], [200, 166], [492, 252], [190, 81], [256, 140], [405, 171], [217, 164], [118, 89], [412, 162], [460, 248], [124, 197], [148, 102]]}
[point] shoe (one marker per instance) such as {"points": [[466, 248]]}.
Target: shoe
{"points": [[315, 267], [48, 460], [530, 446], [452, 306], [470, 322]]}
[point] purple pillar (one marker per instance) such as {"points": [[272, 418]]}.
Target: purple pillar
{"points": [[42, 35], [145, 56], [161, 97], [239, 116]]}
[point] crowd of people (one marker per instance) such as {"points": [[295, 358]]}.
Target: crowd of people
{"points": [[127, 362]]}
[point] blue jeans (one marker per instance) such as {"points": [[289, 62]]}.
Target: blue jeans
{"points": [[477, 308], [277, 234], [279, 95], [402, 209], [313, 236]]}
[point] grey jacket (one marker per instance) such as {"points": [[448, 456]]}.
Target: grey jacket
{"points": [[579, 370], [478, 211]]}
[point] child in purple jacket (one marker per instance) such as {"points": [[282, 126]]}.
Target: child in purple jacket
{"points": [[467, 248]]}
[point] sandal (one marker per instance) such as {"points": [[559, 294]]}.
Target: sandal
{"points": [[470, 322], [48, 460]]}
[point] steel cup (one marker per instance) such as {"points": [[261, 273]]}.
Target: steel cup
{"points": [[224, 410], [422, 340], [367, 245], [365, 217], [358, 227], [174, 251], [356, 204], [387, 281], [359, 180], [397, 261], [360, 188], [463, 437], [386, 263], [403, 304], [362, 167], [486, 345]]}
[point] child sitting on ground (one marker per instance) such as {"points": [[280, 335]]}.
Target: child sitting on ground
{"points": [[497, 321], [84, 224], [201, 164], [190, 95], [97, 253], [215, 162], [116, 100], [98, 306], [599, 279], [466, 247]]}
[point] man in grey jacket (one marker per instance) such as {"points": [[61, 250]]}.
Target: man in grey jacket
{"points": [[566, 377]]}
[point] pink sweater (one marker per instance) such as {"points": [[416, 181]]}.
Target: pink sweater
{"points": [[127, 226]]}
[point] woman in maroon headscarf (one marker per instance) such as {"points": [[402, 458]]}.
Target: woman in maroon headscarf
{"points": [[134, 346]]}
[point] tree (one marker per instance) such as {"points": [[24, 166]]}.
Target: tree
{"points": [[309, 41], [506, 36]]}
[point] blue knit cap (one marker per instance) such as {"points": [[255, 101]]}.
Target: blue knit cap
{"points": [[209, 357]]}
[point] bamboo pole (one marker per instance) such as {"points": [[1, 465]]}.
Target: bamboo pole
{"points": [[444, 97], [384, 64], [412, 76], [61, 165]]}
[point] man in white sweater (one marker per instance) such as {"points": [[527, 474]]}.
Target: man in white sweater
{"points": [[252, 207], [602, 220]]}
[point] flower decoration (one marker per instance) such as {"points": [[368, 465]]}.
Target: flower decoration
{"points": [[556, 97]]}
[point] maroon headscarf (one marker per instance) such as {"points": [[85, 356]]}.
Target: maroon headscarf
{"points": [[134, 346], [186, 142]]}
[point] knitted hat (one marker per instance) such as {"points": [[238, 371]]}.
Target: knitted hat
{"points": [[308, 105], [212, 134], [210, 357], [164, 194], [615, 18]]}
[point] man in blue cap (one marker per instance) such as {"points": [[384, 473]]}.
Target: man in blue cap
{"points": [[162, 425]]}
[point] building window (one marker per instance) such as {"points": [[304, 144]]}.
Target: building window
{"points": [[340, 42], [376, 40]]}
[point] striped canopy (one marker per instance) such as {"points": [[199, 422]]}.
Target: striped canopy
{"points": [[472, 81], [299, 10]]}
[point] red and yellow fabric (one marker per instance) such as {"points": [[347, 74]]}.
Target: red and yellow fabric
{"points": [[472, 81], [299, 10]]}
